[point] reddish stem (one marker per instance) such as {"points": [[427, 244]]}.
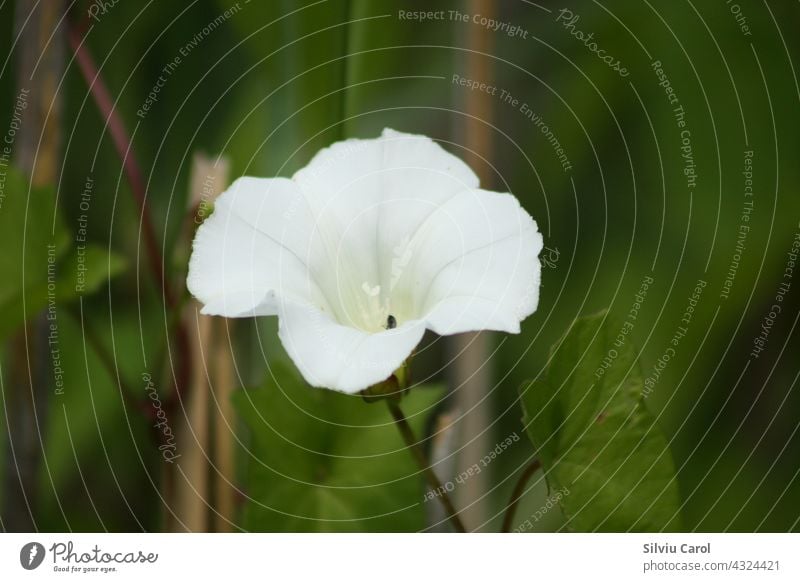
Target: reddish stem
{"points": [[516, 495], [124, 147], [427, 470], [122, 143]]}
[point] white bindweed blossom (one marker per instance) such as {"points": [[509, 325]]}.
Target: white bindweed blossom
{"points": [[361, 251]]}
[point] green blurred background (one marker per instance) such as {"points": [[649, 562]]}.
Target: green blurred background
{"points": [[274, 82]]}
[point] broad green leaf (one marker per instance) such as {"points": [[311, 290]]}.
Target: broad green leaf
{"points": [[45, 270], [596, 439], [34, 240], [87, 268], [318, 460], [31, 233]]}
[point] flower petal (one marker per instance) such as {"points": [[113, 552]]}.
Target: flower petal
{"points": [[257, 243], [335, 356], [372, 196], [480, 269], [394, 166]]}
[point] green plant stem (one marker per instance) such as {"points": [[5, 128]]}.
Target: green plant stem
{"points": [[433, 481], [516, 495]]}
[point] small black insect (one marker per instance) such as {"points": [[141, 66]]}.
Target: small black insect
{"points": [[391, 322]]}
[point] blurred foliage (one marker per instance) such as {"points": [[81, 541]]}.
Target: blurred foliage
{"points": [[34, 239], [42, 260], [317, 460], [278, 80]]}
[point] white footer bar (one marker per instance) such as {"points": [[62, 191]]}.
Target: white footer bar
{"points": [[390, 557]]}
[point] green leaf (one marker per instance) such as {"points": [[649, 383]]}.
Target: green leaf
{"points": [[594, 436], [44, 270], [319, 460], [33, 239], [87, 268]]}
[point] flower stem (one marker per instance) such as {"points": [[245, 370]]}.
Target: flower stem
{"points": [[427, 470], [516, 495], [76, 34], [122, 143]]}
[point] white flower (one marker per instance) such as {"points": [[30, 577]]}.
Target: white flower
{"points": [[359, 252]]}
